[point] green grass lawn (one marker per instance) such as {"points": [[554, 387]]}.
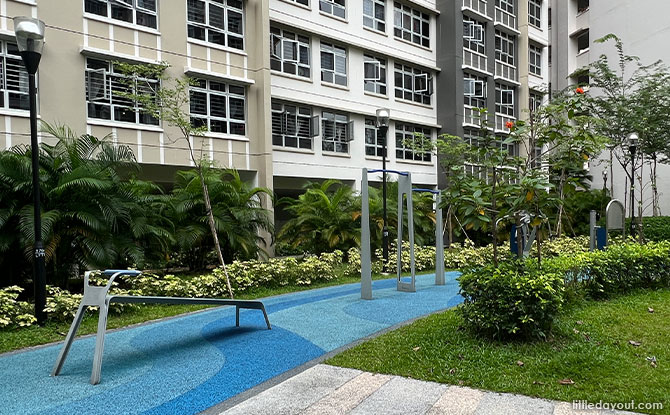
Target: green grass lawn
{"points": [[18, 338], [590, 345]]}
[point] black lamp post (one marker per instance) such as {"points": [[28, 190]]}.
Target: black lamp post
{"points": [[383, 116], [30, 40], [632, 147]]}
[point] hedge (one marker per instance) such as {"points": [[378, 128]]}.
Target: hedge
{"points": [[520, 299], [247, 275]]}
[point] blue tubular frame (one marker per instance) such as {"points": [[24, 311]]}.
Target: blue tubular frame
{"points": [[435, 192], [400, 173]]}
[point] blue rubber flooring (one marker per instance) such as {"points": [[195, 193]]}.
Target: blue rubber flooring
{"points": [[188, 364]]}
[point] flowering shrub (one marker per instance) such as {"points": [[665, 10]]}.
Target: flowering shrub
{"points": [[13, 312]]}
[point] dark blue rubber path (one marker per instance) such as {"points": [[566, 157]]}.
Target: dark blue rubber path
{"points": [[188, 364]]}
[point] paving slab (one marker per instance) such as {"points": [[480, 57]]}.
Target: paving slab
{"points": [[457, 401], [502, 403], [297, 393], [401, 396], [349, 395], [363, 393]]}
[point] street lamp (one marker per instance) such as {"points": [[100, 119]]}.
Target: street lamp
{"points": [[30, 40], [632, 147], [383, 116]]}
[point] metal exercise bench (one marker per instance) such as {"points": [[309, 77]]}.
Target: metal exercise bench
{"points": [[99, 297]]}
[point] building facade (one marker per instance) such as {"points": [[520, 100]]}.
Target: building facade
{"points": [[494, 56], [642, 27], [288, 89], [333, 64]]}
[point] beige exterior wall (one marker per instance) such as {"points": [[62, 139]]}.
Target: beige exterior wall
{"points": [[73, 35]]}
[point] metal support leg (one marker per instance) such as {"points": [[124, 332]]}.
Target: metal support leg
{"points": [[237, 316], [99, 344], [366, 254], [78, 317], [265, 314]]}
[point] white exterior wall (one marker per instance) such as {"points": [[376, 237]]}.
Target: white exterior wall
{"points": [[644, 29], [354, 100]]}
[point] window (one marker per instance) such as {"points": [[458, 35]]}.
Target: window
{"points": [[413, 84], [505, 100], [289, 53], [217, 21], [337, 132], [374, 74], [549, 17], [104, 89], [506, 5], [411, 25], [374, 14], [535, 13], [218, 106], [335, 7], [535, 60], [410, 141], [139, 12], [582, 6], [292, 125], [14, 79], [535, 101], [505, 47], [303, 2], [583, 42], [374, 144], [473, 35], [474, 91], [333, 64]]}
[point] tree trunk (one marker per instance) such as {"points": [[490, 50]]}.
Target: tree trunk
{"points": [[450, 227], [561, 196], [210, 215], [494, 217], [654, 187]]}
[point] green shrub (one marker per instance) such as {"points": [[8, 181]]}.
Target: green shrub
{"points": [[12, 311], [513, 300], [619, 269], [656, 228]]}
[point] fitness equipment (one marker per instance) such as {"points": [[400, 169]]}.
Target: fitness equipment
{"points": [[527, 236], [404, 192], [439, 238], [95, 296], [615, 215]]}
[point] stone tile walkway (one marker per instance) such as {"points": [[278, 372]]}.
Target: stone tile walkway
{"points": [[326, 390]]}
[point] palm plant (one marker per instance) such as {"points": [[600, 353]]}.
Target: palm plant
{"points": [[324, 218], [239, 216], [82, 200]]}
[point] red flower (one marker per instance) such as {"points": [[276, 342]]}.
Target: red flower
{"points": [[509, 125], [580, 90]]}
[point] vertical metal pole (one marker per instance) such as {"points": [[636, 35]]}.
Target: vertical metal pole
{"points": [[592, 231], [383, 131], [632, 191], [366, 255], [39, 277]]}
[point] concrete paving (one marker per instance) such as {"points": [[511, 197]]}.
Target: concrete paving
{"points": [[324, 389]]}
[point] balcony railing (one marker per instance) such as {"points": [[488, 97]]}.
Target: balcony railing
{"points": [[507, 71], [506, 18], [478, 6], [475, 60], [501, 122]]}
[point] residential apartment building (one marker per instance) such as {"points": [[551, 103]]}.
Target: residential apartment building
{"points": [[644, 29], [288, 89], [493, 56], [333, 64], [213, 41]]}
